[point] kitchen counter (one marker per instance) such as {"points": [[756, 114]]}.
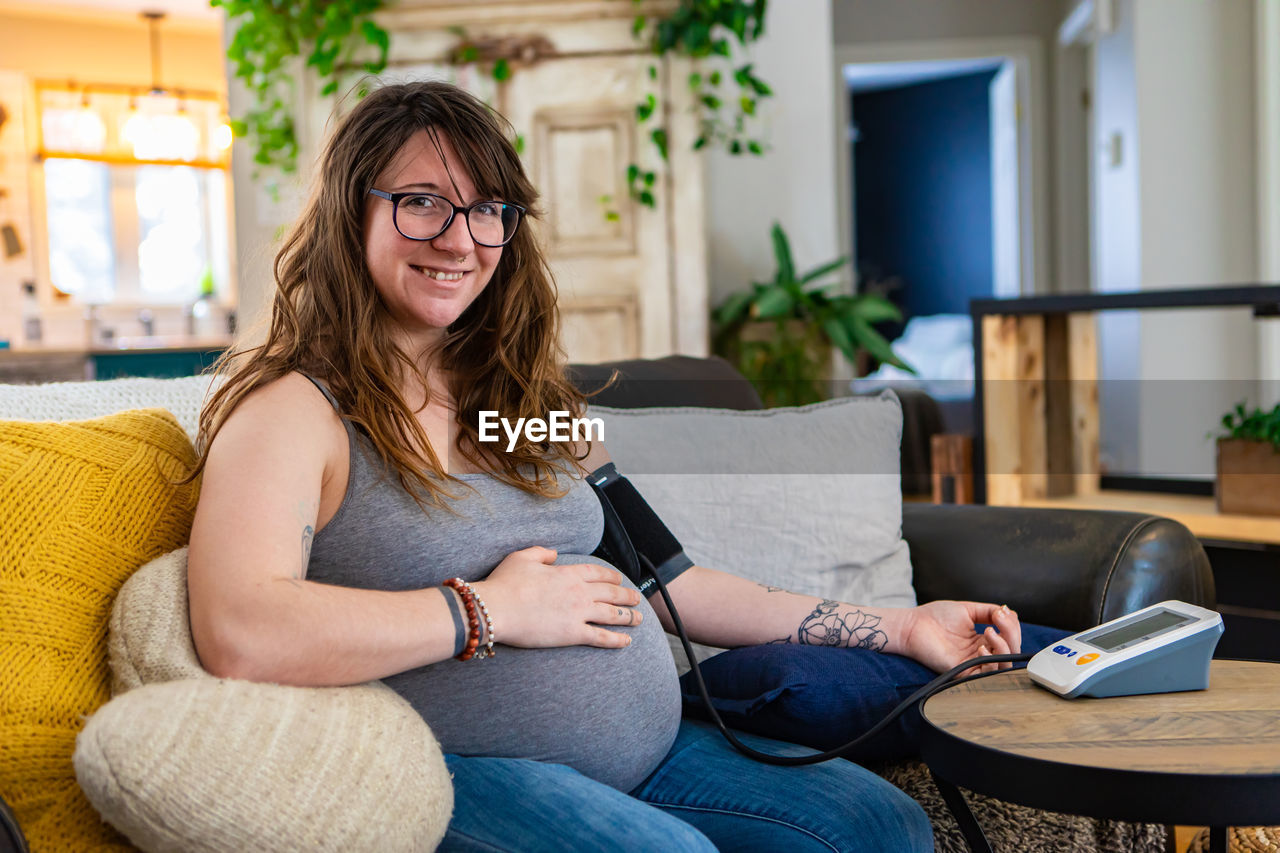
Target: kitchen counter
{"points": [[157, 344], [161, 356]]}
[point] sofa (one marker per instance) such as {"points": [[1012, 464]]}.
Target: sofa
{"points": [[1068, 569]]}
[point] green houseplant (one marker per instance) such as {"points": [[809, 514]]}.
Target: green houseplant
{"points": [[780, 333], [1248, 462], [1240, 423]]}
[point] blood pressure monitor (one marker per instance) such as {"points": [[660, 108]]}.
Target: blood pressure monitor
{"points": [[1163, 648]]}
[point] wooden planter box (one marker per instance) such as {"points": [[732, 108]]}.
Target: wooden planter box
{"points": [[1248, 477]]}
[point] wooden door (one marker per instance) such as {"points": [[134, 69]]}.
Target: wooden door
{"points": [[613, 271]]}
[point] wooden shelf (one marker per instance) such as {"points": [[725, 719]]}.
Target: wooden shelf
{"points": [[1198, 513]]}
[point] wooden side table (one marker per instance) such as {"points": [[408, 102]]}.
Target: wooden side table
{"points": [[1209, 757]]}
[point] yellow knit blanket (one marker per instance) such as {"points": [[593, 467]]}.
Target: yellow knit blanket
{"points": [[82, 506]]}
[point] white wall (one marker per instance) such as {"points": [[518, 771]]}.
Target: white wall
{"points": [[794, 183], [1195, 67], [1194, 63], [876, 21], [1267, 80], [1116, 222], [1174, 90], [1117, 245]]}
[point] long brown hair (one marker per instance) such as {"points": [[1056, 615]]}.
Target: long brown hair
{"points": [[327, 319]]}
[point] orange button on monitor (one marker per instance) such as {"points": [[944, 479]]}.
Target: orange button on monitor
{"points": [[1089, 658]]}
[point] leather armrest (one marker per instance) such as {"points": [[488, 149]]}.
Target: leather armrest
{"points": [[1070, 569]]}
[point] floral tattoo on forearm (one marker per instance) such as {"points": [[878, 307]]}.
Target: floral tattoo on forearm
{"points": [[828, 625]]}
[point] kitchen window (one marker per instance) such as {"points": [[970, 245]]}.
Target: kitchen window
{"points": [[136, 193]]}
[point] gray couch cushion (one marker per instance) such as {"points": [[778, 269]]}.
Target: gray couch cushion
{"points": [[673, 380]]}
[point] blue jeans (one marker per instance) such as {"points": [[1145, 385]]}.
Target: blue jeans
{"points": [[704, 796]]}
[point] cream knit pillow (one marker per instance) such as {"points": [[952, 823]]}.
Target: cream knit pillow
{"points": [[180, 760], [149, 639], [213, 765]]}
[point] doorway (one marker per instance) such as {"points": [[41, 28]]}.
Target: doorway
{"points": [[1003, 249], [934, 184]]}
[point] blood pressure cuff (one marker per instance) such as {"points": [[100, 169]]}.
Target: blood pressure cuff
{"points": [[635, 539]]}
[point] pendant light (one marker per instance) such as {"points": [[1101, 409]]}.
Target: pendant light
{"points": [[155, 129]]}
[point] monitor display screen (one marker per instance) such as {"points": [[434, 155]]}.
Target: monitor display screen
{"points": [[1122, 635]]}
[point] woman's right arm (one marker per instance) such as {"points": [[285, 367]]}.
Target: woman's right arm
{"points": [[255, 617]]}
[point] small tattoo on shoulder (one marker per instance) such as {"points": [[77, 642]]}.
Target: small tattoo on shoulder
{"points": [[308, 533], [306, 513], [768, 588]]}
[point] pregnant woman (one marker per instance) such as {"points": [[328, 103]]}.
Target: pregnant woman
{"points": [[353, 526]]}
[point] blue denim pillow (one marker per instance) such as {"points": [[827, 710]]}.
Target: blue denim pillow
{"points": [[823, 697]]}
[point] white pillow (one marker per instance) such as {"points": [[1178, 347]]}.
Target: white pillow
{"points": [[808, 499], [76, 401], [149, 634], [180, 760], [205, 765]]}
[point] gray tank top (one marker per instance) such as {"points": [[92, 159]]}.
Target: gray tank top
{"points": [[612, 714]]}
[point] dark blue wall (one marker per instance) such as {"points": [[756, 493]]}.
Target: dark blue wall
{"points": [[922, 167]]}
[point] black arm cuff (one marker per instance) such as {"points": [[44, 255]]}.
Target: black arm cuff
{"points": [[668, 571], [635, 539]]}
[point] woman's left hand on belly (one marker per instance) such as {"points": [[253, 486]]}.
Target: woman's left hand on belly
{"points": [[536, 604]]}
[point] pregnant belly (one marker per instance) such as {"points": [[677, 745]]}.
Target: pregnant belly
{"points": [[611, 714]]}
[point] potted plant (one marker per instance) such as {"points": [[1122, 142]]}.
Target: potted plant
{"points": [[780, 334], [1248, 479]]}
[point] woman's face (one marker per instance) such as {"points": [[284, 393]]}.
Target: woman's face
{"points": [[425, 284]]}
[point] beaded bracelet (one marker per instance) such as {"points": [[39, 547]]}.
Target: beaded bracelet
{"points": [[488, 626], [487, 651], [473, 619], [473, 603]]}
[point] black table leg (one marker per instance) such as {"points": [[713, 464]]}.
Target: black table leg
{"points": [[964, 818], [1217, 839]]}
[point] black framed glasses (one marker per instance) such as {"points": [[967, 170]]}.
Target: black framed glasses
{"points": [[425, 216]]}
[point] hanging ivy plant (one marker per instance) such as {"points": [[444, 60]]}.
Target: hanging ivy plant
{"points": [[328, 32], [704, 30]]}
